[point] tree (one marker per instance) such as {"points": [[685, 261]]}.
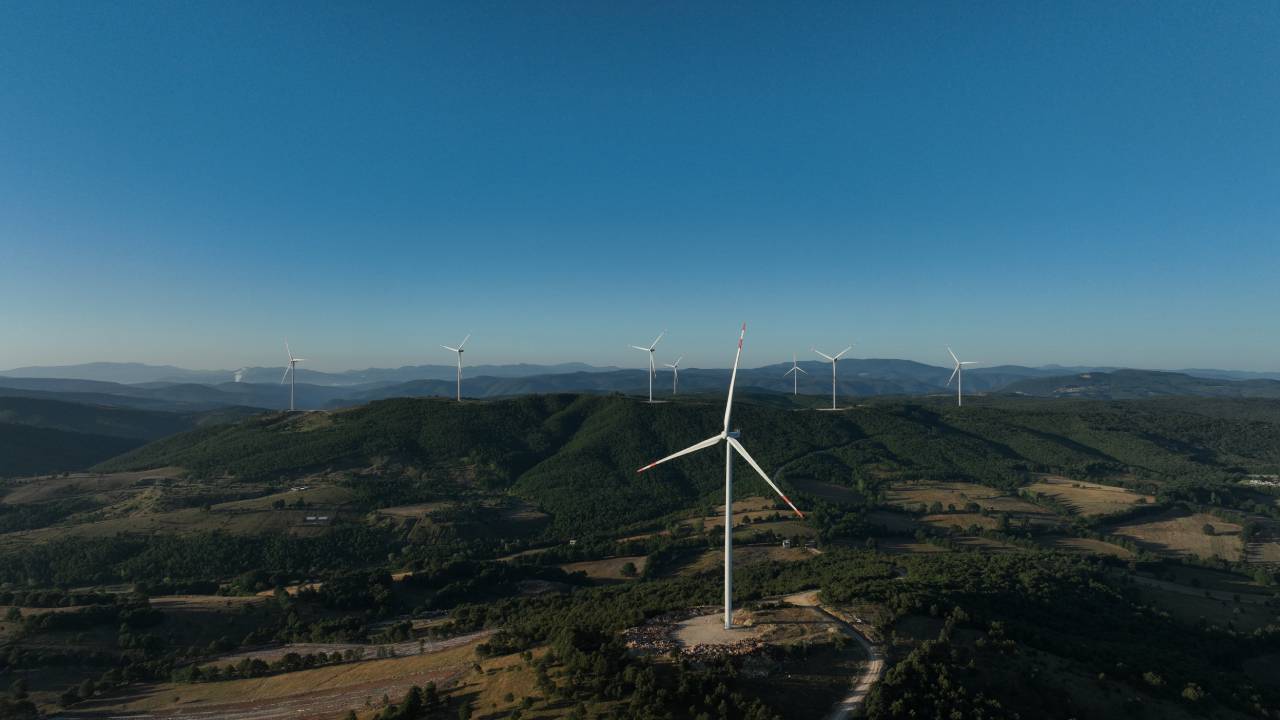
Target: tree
{"points": [[629, 569], [1207, 529]]}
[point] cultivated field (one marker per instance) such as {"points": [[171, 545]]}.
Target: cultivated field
{"points": [[1184, 535], [1088, 499]]}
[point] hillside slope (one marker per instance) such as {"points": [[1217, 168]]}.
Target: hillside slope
{"points": [[1131, 384], [575, 455]]}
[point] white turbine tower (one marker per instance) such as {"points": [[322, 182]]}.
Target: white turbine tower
{"points": [[958, 375], [675, 374], [833, 361], [652, 370], [459, 350], [794, 372], [731, 445], [292, 367]]}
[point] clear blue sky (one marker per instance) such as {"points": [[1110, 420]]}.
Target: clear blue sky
{"points": [[1032, 182]]}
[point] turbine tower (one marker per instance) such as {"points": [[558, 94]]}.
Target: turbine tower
{"points": [[652, 370], [794, 372], [833, 361], [459, 350], [731, 445], [292, 367], [958, 375], [675, 374]]}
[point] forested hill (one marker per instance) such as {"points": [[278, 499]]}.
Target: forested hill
{"points": [[575, 455], [1132, 384]]}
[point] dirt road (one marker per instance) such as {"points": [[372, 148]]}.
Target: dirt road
{"points": [[852, 703]]}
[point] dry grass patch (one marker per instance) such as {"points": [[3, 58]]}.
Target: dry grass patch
{"points": [[912, 494], [713, 560], [609, 569], [1089, 498], [326, 692], [1184, 535], [1086, 546]]}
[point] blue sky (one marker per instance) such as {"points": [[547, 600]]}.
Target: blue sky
{"points": [[1080, 183]]}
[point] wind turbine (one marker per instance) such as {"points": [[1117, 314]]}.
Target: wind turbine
{"points": [[958, 375], [459, 350], [731, 444], [833, 361], [291, 367], [795, 373], [675, 374], [652, 370]]}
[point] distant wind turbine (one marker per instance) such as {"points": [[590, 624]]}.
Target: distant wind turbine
{"points": [[652, 370], [833, 361], [675, 374], [794, 372], [292, 367], [459, 350], [731, 444], [958, 375]]}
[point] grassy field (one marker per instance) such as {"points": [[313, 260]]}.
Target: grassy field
{"points": [[1084, 545], [713, 560], [326, 692], [956, 497], [1182, 534], [1088, 499], [609, 569]]}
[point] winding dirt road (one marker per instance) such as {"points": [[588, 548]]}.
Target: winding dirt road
{"points": [[853, 703]]}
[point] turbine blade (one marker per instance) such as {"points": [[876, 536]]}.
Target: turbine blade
{"points": [[287, 351], [691, 449], [733, 378], [450, 349], [806, 372], [285, 376], [640, 348], [752, 462], [464, 341], [677, 362], [842, 352], [953, 355], [971, 362], [790, 371], [657, 340], [953, 375], [828, 357]]}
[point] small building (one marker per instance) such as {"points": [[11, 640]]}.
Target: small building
{"points": [[786, 542]]}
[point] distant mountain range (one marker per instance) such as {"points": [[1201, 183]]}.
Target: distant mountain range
{"points": [[137, 373], [260, 387]]}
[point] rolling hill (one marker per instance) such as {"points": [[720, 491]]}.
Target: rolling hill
{"points": [[39, 435], [1131, 384], [574, 456]]}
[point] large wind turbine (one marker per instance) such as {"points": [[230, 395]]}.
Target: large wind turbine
{"points": [[794, 372], [675, 374], [731, 444], [291, 367], [958, 375], [652, 370], [833, 361], [459, 350]]}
